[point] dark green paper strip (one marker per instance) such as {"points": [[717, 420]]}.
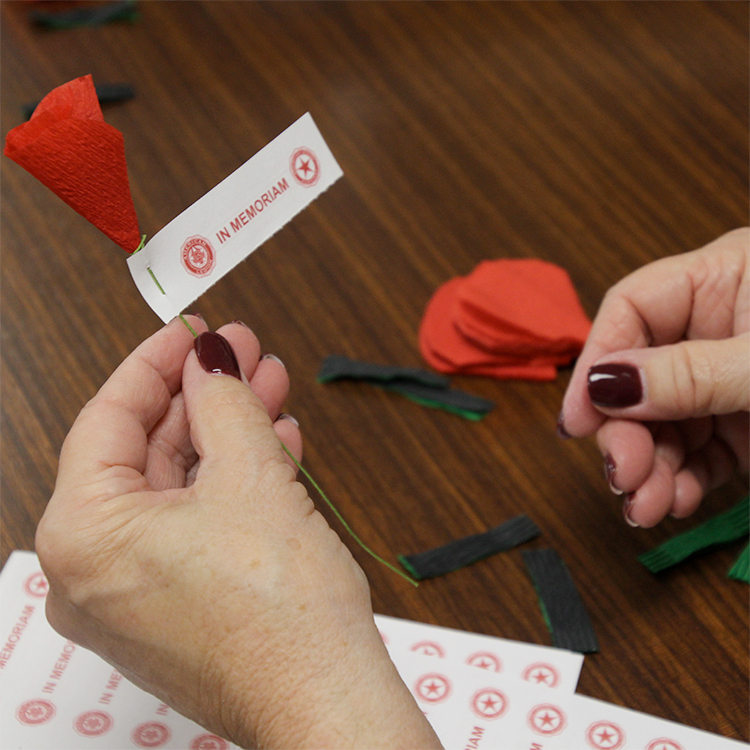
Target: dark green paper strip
{"points": [[461, 552], [443, 398], [338, 367], [560, 602], [124, 10], [722, 529], [422, 387], [740, 571]]}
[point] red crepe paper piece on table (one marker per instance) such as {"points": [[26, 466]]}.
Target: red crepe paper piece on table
{"points": [[510, 318], [69, 148]]}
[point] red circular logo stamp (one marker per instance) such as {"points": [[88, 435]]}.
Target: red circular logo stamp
{"points": [[432, 688], [198, 256], [151, 734], [542, 674], [93, 723], [547, 719], [35, 712], [486, 660], [36, 585], [428, 648], [664, 744], [489, 703], [208, 742], [604, 735], [305, 167]]}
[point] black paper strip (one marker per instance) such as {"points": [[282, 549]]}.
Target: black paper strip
{"points": [[470, 549], [424, 387], [560, 601], [338, 367]]}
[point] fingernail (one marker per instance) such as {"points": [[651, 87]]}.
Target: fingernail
{"points": [[197, 315], [615, 385], [216, 355], [626, 506], [610, 469], [561, 431], [288, 417], [274, 358], [241, 323]]}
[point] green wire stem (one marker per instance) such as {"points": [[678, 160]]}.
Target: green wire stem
{"points": [[344, 523], [320, 490]]}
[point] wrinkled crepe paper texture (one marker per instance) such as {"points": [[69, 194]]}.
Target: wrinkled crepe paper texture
{"points": [[69, 148]]}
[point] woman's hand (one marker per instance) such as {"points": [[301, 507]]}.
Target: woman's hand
{"points": [[179, 546], [664, 379]]}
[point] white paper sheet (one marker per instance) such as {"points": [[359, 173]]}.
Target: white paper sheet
{"points": [[474, 689]]}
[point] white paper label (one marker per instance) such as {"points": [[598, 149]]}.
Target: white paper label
{"points": [[217, 232]]}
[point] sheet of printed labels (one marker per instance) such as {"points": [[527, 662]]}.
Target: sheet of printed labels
{"points": [[477, 691]]}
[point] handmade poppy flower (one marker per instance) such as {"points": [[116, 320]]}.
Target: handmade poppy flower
{"points": [[69, 148]]}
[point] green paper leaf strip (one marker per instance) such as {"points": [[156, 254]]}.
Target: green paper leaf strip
{"points": [[423, 387], [740, 571], [722, 529]]}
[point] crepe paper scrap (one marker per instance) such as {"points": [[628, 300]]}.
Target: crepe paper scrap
{"points": [[338, 367], [422, 387], [69, 148], [97, 15], [462, 552], [451, 400], [561, 604], [722, 529], [343, 522], [107, 93], [740, 571], [232, 220], [509, 318]]}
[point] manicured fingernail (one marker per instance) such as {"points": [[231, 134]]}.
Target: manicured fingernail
{"points": [[288, 417], [274, 358], [626, 507], [561, 431], [610, 469], [216, 355], [615, 385]]}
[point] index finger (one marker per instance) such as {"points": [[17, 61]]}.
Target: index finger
{"points": [[112, 429]]}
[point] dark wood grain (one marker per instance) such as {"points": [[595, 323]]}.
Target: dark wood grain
{"points": [[599, 136]]}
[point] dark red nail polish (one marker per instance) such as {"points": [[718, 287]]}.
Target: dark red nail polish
{"points": [[216, 355], [615, 385], [561, 431], [610, 469]]}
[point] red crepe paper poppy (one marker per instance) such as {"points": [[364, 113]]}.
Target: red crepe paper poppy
{"points": [[510, 318], [69, 148]]}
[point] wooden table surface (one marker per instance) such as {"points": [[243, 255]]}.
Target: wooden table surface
{"points": [[597, 135]]}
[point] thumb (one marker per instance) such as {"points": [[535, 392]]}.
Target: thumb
{"points": [[674, 382], [229, 426]]}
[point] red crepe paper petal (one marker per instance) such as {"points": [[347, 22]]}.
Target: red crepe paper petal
{"points": [[69, 148], [518, 319], [446, 350]]}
